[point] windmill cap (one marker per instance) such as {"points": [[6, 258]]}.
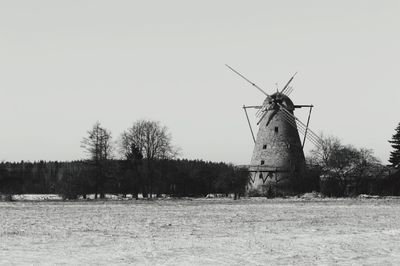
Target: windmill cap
{"points": [[281, 98]]}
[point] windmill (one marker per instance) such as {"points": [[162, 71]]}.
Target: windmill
{"points": [[278, 165]]}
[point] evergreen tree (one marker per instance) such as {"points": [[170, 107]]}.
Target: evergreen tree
{"points": [[395, 154]]}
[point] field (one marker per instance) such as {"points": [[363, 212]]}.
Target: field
{"points": [[201, 232]]}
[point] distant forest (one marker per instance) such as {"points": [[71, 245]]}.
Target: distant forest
{"points": [[79, 178], [148, 165], [172, 177]]}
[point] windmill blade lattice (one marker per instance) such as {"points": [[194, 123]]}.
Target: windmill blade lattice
{"points": [[262, 112], [288, 91], [287, 84], [311, 136]]}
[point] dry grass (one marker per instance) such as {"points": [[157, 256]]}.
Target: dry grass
{"points": [[204, 231]]}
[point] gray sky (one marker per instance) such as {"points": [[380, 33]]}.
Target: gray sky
{"points": [[66, 64]]}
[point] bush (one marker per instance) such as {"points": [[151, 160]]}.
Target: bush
{"points": [[6, 197], [331, 187]]}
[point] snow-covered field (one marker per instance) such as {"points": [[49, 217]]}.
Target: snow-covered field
{"points": [[201, 232]]}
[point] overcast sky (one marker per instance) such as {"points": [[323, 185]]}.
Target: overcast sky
{"points": [[66, 64]]}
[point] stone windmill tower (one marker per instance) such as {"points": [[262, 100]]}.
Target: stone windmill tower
{"points": [[278, 165]]}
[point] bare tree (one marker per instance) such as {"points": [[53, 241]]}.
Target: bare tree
{"points": [[342, 162], [323, 153], [148, 140], [98, 144], [151, 139]]}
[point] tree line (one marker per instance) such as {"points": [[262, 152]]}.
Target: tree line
{"points": [[173, 177], [144, 161], [345, 170], [146, 165]]}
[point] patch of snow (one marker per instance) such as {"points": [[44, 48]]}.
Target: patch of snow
{"points": [[311, 195], [36, 197], [366, 196]]}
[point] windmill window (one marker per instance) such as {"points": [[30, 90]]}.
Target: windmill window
{"points": [[276, 129], [260, 176], [262, 162], [264, 146]]}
